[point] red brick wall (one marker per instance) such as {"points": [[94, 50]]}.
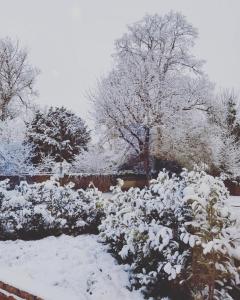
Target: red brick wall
{"points": [[17, 292], [102, 182]]}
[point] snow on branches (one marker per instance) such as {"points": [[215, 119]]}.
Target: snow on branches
{"points": [[155, 79]]}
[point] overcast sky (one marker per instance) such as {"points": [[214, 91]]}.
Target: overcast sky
{"points": [[71, 41]]}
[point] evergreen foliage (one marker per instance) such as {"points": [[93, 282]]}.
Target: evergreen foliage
{"points": [[58, 133]]}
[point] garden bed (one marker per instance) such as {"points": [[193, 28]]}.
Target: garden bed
{"points": [[76, 268]]}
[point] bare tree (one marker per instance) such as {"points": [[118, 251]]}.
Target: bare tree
{"points": [[17, 77], [155, 77]]}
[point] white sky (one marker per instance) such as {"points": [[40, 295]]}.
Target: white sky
{"points": [[71, 41]]}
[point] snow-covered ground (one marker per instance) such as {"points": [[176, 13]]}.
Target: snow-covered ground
{"points": [[234, 205], [76, 268], [235, 201]]}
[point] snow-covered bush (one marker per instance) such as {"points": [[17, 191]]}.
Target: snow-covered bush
{"points": [[79, 211], [167, 239], [213, 237], [21, 218], [143, 229], [42, 209]]}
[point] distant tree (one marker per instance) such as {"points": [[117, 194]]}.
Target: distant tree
{"points": [[15, 155], [224, 119], [225, 113], [232, 120], [17, 77], [58, 134]]}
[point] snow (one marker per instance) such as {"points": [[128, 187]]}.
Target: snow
{"points": [[234, 206], [76, 268], [235, 201]]}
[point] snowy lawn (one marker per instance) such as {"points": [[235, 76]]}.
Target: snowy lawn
{"points": [[64, 268]]}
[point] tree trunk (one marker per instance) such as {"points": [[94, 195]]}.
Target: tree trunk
{"points": [[147, 156], [4, 112]]}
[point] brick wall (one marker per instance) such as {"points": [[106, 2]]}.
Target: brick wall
{"points": [[15, 291], [102, 182]]}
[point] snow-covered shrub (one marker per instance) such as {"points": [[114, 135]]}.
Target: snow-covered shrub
{"points": [[213, 237], [177, 236], [21, 218], [42, 209], [78, 211], [143, 228]]}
